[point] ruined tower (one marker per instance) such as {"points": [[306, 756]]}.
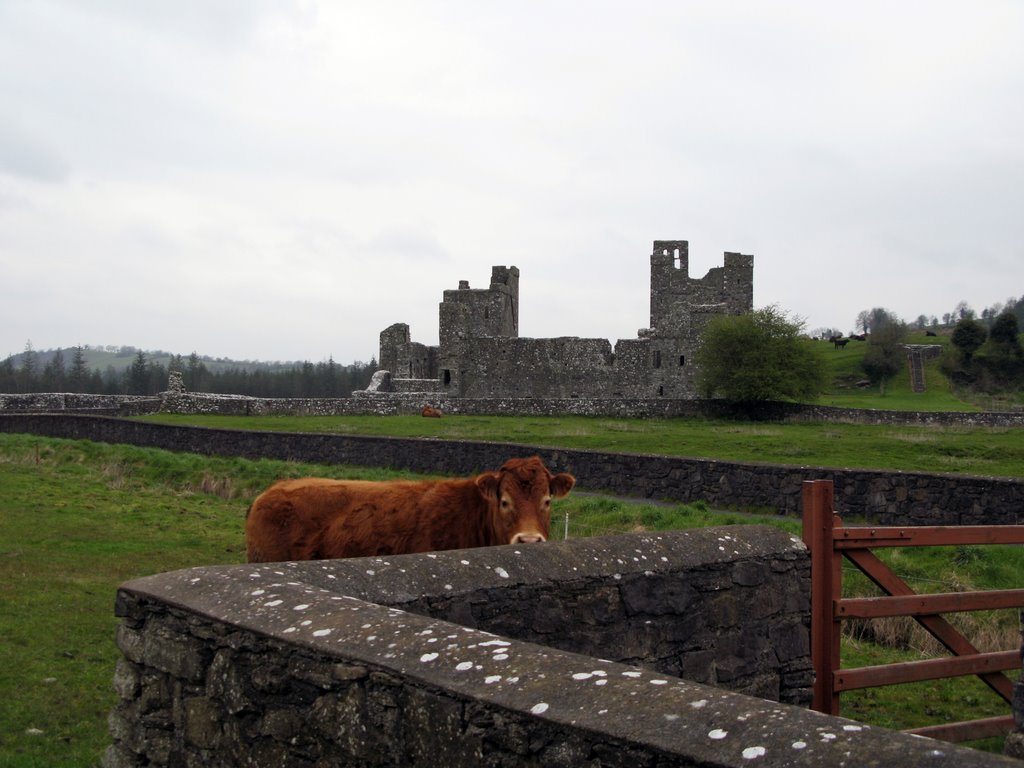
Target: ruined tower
{"points": [[680, 307], [481, 355], [679, 302]]}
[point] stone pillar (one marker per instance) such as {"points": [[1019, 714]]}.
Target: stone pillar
{"points": [[175, 383]]}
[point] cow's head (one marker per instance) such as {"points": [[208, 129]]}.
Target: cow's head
{"points": [[519, 499]]}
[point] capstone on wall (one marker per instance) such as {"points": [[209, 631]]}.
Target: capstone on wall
{"points": [[480, 353], [447, 659]]}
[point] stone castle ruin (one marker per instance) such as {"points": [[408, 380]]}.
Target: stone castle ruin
{"points": [[481, 355]]}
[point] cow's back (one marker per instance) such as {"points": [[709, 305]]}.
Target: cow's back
{"points": [[316, 518]]}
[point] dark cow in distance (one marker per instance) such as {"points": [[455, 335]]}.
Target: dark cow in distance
{"points": [[315, 518]]}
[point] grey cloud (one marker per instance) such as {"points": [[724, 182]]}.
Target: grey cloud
{"points": [[29, 156]]}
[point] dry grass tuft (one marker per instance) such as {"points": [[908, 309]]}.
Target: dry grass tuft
{"points": [[221, 487], [987, 633], [117, 473]]}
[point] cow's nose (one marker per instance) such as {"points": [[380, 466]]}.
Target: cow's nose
{"points": [[527, 538]]}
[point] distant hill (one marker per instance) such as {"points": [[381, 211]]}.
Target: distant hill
{"points": [[120, 358]]}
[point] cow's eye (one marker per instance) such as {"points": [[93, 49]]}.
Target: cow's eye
{"points": [[506, 504]]}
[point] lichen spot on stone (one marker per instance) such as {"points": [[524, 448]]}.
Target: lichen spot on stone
{"points": [[501, 572], [462, 666], [539, 709], [699, 704], [752, 753], [427, 657], [321, 632], [718, 734], [799, 745]]}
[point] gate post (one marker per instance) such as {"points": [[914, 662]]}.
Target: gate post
{"points": [[826, 588]]}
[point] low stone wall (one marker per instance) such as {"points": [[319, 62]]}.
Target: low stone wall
{"points": [[397, 403], [890, 498], [434, 660], [70, 402]]}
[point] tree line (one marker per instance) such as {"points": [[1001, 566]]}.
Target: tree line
{"points": [[948, 320], [68, 371], [764, 355]]}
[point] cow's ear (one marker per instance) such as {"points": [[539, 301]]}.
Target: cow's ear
{"points": [[488, 484], [561, 484]]}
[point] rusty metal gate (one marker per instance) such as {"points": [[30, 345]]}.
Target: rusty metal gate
{"points": [[829, 542]]}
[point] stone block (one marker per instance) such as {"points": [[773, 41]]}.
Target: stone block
{"points": [[202, 722], [179, 655], [126, 679]]}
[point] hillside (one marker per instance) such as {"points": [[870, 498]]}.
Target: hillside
{"points": [[120, 358]]}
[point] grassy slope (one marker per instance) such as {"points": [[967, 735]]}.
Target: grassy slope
{"points": [[976, 451], [847, 375]]}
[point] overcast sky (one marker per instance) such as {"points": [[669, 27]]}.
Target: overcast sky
{"points": [[283, 180]]}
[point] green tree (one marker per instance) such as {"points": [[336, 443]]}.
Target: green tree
{"points": [[1006, 331], [54, 377], [138, 375], [8, 376], [759, 356], [196, 375], [78, 377], [28, 374], [1001, 360], [885, 355], [968, 336]]}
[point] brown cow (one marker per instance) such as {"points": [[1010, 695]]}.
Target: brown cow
{"points": [[314, 518], [431, 412]]}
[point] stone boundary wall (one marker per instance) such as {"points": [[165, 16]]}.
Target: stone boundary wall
{"points": [[397, 403], [433, 660], [70, 402], [888, 498]]}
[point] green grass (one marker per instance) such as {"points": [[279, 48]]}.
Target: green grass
{"points": [[848, 389], [996, 452], [79, 518], [913, 705], [76, 520]]}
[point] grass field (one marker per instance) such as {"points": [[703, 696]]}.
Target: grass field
{"points": [[79, 518], [975, 451]]}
